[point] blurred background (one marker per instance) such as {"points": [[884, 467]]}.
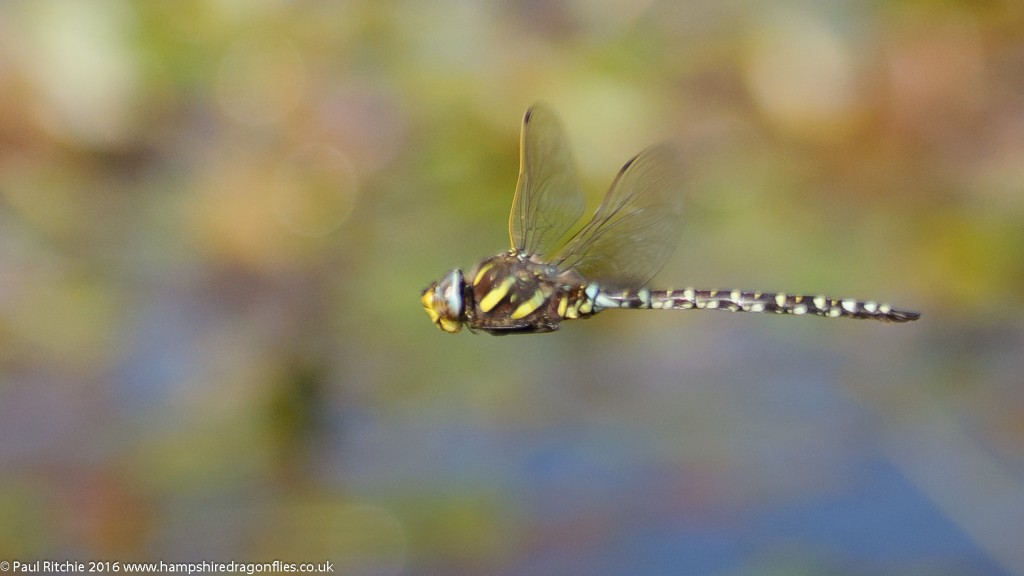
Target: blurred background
{"points": [[216, 219]]}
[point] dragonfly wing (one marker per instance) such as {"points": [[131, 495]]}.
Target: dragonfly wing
{"points": [[637, 225], [548, 198]]}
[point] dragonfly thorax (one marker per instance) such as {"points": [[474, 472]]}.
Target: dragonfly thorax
{"points": [[512, 292]]}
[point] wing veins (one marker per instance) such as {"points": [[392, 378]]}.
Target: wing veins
{"points": [[548, 198], [634, 230]]}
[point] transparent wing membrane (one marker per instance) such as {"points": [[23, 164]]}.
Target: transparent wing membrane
{"points": [[637, 225], [548, 199]]}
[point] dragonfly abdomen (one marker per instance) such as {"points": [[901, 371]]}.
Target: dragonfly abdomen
{"points": [[751, 301]]}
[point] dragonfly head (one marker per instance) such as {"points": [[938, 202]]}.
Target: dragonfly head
{"points": [[443, 302]]}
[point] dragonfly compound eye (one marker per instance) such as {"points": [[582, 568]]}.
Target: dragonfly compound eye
{"points": [[443, 302]]}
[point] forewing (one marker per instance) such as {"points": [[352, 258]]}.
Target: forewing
{"points": [[637, 225], [548, 198]]}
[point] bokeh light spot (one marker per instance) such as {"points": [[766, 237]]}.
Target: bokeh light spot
{"points": [[800, 74], [261, 79], [79, 60], [314, 190]]}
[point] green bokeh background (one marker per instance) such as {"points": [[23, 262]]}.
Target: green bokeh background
{"points": [[216, 218]]}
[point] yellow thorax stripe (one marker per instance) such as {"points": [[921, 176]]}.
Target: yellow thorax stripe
{"points": [[496, 294], [526, 308]]}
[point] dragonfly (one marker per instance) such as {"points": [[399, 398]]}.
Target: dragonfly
{"points": [[552, 273]]}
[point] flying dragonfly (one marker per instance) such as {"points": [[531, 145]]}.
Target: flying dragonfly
{"points": [[548, 276]]}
